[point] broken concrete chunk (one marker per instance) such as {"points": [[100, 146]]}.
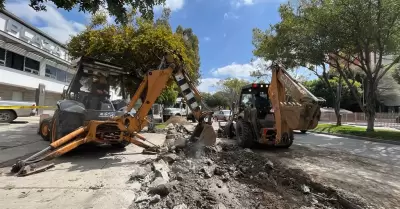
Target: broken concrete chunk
{"points": [[171, 136], [179, 169], [306, 189], [161, 190], [172, 131], [170, 158], [219, 171], [170, 126], [139, 173], [269, 165], [181, 206], [142, 198], [158, 181], [247, 150], [155, 199], [208, 173], [209, 162], [180, 142]]}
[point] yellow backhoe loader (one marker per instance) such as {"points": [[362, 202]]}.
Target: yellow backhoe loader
{"points": [[268, 113], [86, 116]]}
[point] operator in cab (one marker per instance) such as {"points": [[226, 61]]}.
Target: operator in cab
{"points": [[99, 90], [261, 101]]}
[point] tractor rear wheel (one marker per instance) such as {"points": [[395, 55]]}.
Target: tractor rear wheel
{"points": [[244, 134], [287, 140], [44, 129], [54, 131]]}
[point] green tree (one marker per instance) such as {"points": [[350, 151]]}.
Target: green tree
{"points": [[115, 8], [319, 89], [215, 100], [352, 36], [230, 88], [138, 47]]}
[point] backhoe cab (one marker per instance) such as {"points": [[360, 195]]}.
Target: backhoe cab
{"points": [[85, 99]]}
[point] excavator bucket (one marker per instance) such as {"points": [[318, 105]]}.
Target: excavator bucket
{"points": [[205, 134]]}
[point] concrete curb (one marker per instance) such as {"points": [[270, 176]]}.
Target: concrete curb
{"points": [[359, 137]]}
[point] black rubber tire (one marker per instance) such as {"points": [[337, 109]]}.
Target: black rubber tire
{"points": [[291, 138], [54, 133], [45, 122], [10, 116], [244, 134], [303, 131]]}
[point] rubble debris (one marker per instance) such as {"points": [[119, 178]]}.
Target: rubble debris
{"points": [[181, 206], [139, 173], [161, 169], [230, 178], [170, 157], [208, 172], [142, 198], [306, 189], [161, 189], [156, 198]]}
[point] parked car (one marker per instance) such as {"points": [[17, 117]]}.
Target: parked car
{"points": [[8, 115], [222, 115], [150, 116]]}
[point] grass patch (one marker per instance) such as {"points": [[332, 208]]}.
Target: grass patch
{"points": [[160, 126], [358, 131]]}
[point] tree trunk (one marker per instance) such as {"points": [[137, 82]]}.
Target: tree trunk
{"points": [[371, 97], [337, 102]]}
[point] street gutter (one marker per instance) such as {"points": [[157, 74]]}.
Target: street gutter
{"points": [[359, 137]]}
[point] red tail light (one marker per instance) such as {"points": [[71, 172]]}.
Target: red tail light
{"points": [[254, 85]]}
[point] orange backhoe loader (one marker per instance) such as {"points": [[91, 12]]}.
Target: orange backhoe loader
{"points": [[268, 113], [75, 122]]}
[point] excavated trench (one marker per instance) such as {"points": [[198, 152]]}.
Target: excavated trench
{"points": [[227, 176]]}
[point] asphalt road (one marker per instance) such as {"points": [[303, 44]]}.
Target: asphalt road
{"points": [[386, 152]]}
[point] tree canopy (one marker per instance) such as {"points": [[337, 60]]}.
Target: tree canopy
{"points": [[230, 88], [114, 8], [138, 46], [352, 36], [215, 100]]}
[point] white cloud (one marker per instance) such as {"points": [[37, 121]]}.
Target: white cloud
{"points": [[239, 3], [240, 70], [230, 15], [207, 38], [208, 84], [174, 5], [54, 24]]}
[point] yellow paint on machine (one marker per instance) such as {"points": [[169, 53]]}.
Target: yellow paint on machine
{"points": [[26, 107]]}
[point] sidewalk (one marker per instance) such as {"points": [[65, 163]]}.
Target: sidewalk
{"points": [[19, 139]]}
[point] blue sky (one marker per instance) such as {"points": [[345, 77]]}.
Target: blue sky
{"points": [[224, 28]]}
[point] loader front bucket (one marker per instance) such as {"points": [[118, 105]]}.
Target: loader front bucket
{"points": [[204, 134]]}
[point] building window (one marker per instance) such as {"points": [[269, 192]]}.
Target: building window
{"points": [[60, 75], [51, 72], [31, 66], [14, 61], [2, 56]]}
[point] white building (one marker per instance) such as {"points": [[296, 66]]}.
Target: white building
{"points": [[29, 58]]}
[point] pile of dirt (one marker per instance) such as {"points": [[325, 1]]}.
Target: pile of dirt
{"points": [[177, 120], [226, 176]]}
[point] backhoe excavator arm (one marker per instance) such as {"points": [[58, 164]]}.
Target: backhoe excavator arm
{"points": [[301, 114], [151, 86]]}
